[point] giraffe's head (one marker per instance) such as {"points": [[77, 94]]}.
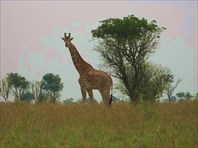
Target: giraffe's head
{"points": [[67, 40]]}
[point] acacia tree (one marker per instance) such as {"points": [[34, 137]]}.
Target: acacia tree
{"points": [[19, 85], [127, 42], [5, 88], [52, 85]]}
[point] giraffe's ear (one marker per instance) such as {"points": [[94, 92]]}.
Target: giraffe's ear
{"points": [[71, 39], [63, 39]]}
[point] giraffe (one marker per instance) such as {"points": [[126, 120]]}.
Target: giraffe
{"points": [[90, 78]]}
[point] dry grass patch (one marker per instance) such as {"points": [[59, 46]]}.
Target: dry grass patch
{"points": [[123, 125]]}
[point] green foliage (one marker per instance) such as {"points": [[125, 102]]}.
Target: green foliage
{"points": [[154, 81], [47, 90], [43, 97], [125, 46], [27, 96], [188, 96], [19, 84], [68, 101], [52, 85], [184, 96], [18, 81], [129, 26], [180, 95]]}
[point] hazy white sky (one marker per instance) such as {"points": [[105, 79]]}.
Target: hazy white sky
{"points": [[31, 37]]}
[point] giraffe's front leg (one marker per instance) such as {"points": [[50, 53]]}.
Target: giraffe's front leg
{"points": [[83, 89], [83, 92]]}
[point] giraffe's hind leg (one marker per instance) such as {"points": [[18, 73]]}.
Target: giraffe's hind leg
{"points": [[105, 93], [90, 92]]}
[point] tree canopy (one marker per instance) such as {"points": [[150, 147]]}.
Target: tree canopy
{"points": [[52, 85], [19, 84]]}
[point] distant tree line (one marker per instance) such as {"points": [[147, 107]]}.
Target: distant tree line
{"points": [[46, 90], [50, 87], [186, 96]]}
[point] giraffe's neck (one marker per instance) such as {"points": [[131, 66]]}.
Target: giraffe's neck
{"points": [[78, 61]]}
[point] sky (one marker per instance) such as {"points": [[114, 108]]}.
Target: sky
{"points": [[31, 32]]}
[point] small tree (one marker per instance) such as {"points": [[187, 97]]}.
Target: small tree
{"points": [[180, 95], [52, 85], [5, 88], [36, 89], [154, 81], [171, 88], [19, 84], [188, 96], [43, 97], [68, 101]]}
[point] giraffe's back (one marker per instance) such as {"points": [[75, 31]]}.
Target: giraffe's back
{"points": [[98, 80]]}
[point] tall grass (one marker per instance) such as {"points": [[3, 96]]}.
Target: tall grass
{"points": [[123, 125]]}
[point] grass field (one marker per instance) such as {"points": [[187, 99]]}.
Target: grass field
{"points": [[123, 125]]}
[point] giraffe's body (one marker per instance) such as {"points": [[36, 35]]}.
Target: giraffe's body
{"points": [[90, 78]]}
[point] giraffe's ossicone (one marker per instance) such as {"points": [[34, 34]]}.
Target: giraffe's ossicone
{"points": [[90, 78]]}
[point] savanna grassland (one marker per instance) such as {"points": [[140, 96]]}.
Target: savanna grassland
{"points": [[77, 125]]}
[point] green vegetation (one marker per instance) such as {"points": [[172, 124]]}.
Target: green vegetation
{"points": [[125, 46], [19, 84], [47, 90], [186, 96], [78, 125], [52, 86]]}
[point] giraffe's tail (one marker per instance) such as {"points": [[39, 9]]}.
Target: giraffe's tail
{"points": [[111, 97]]}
